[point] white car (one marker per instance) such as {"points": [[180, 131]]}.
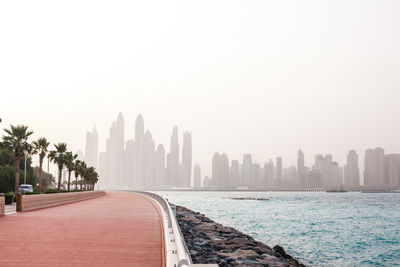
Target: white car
{"points": [[26, 187]]}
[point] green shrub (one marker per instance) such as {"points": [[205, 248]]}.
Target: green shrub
{"points": [[51, 191], [9, 198]]}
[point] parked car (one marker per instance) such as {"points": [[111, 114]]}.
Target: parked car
{"points": [[26, 187]]}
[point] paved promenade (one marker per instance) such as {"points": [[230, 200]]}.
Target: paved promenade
{"points": [[118, 229]]}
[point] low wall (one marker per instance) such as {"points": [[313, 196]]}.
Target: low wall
{"points": [[34, 202], [2, 205]]}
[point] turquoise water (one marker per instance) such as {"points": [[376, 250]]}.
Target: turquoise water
{"points": [[319, 229]]}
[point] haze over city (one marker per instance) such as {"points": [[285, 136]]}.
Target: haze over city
{"points": [[262, 78]]}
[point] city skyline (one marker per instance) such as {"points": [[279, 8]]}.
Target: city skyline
{"points": [[142, 163]]}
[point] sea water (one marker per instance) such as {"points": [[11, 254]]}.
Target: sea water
{"points": [[318, 229]]}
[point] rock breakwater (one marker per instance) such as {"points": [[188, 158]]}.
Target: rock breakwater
{"points": [[211, 242]]}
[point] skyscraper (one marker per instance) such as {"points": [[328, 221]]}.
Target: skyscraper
{"points": [[160, 165], [129, 166], [148, 160], [374, 162], [301, 175], [234, 174], [91, 155], [279, 170], [138, 158], [173, 160], [351, 170], [224, 178], [216, 170], [120, 150], [392, 170], [187, 159], [247, 171], [269, 175], [197, 176]]}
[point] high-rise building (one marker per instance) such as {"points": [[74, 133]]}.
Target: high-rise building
{"points": [[139, 151], [173, 160], [91, 155], [351, 170], [234, 174], [224, 179], [269, 175], [279, 171], [374, 163], [392, 170], [187, 159], [197, 176], [216, 170], [301, 175], [129, 167], [160, 166], [247, 171]]}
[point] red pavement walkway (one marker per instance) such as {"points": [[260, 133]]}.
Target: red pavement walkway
{"points": [[118, 229]]}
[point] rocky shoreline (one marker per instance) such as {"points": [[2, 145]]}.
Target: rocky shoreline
{"points": [[211, 242]]}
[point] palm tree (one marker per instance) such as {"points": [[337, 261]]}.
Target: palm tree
{"points": [[59, 157], [16, 141], [40, 147], [83, 173], [92, 177], [77, 171], [70, 158]]}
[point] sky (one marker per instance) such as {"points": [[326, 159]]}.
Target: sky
{"points": [[258, 77]]}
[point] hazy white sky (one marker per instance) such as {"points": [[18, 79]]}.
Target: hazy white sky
{"points": [[259, 77]]}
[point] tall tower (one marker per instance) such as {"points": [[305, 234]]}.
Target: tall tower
{"points": [[374, 167], [247, 170], [216, 170], [91, 156], [138, 158], [269, 174], [351, 170], [224, 171], [187, 159], [173, 160], [120, 151], [160, 166], [279, 171], [234, 174], [301, 175], [197, 176]]}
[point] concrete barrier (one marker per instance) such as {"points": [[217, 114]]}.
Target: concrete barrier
{"points": [[34, 202], [2, 204]]}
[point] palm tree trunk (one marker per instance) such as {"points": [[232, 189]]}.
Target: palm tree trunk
{"points": [[40, 174], [76, 182], [81, 183], [17, 160], [69, 179], [59, 178]]}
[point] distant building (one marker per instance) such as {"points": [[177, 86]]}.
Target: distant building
{"points": [[351, 170], [247, 171], [269, 175], [278, 171], [173, 160], [234, 174], [301, 175], [197, 176], [374, 164], [91, 155], [187, 159], [216, 170], [392, 170]]}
